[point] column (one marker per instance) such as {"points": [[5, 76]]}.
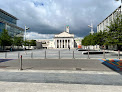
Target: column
{"points": [[71, 43], [64, 44], [67, 43], [55, 43], [59, 43]]}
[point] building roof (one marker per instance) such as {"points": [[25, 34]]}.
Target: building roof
{"points": [[64, 35], [8, 14], [109, 15]]}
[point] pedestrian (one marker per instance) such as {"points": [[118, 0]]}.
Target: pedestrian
{"points": [[11, 48], [69, 48]]}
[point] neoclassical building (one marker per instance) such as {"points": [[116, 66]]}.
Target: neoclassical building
{"points": [[64, 39]]}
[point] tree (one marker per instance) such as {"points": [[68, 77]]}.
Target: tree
{"points": [[115, 32], [5, 39], [32, 43], [26, 43], [96, 38], [18, 41]]}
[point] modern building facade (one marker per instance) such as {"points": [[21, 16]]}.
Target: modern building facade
{"points": [[106, 22], [9, 22]]}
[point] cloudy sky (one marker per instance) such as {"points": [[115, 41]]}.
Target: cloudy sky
{"points": [[48, 17]]}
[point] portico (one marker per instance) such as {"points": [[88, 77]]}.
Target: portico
{"points": [[64, 43], [64, 40]]}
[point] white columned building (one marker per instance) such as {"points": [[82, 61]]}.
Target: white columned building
{"points": [[64, 39]]}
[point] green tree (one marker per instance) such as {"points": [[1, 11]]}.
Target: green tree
{"points": [[32, 43], [115, 32], [18, 41], [26, 43], [5, 39]]}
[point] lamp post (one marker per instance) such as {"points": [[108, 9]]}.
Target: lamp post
{"points": [[26, 28], [91, 26]]}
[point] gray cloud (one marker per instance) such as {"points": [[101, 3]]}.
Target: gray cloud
{"points": [[50, 16]]}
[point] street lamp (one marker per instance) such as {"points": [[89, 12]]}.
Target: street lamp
{"points": [[26, 28], [91, 26]]}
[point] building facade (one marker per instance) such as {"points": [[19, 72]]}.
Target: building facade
{"points": [[64, 39], [9, 22], [106, 22]]}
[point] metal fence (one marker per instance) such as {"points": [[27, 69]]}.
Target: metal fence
{"points": [[58, 54]]}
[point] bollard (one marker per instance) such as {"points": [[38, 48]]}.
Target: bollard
{"points": [[59, 54], [6, 55], [104, 54], [88, 54], [31, 55], [73, 55], [45, 54], [18, 55], [21, 62], [118, 54]]}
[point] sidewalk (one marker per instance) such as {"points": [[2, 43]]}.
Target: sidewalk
{"points": [[44, 87], [59, 81]]}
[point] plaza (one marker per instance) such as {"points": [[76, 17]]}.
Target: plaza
{"points": [[58, 54], [60, 63]]}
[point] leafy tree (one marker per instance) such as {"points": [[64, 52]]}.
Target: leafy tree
{"points": [[18, 41], [115, 32], [5, 39], [26, 43], [110, 36], [32, 43]]}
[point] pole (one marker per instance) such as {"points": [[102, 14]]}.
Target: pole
{"points": [[25, 34], [103, 54], [88, 54], [118, 54], [21, 62]]}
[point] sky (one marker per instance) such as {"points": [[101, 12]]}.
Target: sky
{"points": [[48, 17]]}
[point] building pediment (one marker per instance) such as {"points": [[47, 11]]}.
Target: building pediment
{"points": [[64, 34]]}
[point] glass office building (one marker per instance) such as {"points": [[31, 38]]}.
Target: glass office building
{"points": [[9, 22]]}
